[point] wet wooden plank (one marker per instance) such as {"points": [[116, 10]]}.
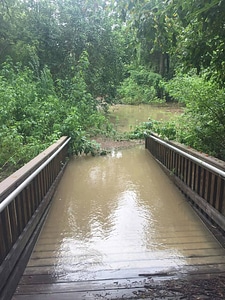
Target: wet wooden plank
{"points": [[110, 273], [102, 289], [56, 238], [197, 245], [81, 286], [99, 294], [90, 261], [213, 251], [48, 278]]}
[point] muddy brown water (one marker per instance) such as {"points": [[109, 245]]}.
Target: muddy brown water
{"points": [[120, 212], [126, 117], [118, 215], [116, 223]]}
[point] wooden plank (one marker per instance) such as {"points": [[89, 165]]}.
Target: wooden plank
{"points": [[196, 253], [213, 251], [190, 232], [142, 261], [80, 286], [110, 270], [129, 273], [116, 285], [99, 294], [154, 289], [196, 245]]}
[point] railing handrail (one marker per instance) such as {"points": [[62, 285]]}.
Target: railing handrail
{"points": [[12, 196], [197, 160]]}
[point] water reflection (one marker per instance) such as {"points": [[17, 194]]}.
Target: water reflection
{"points": [[119, 212]]}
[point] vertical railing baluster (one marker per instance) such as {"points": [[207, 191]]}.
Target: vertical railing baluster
{"points": [[207, 185], [13, 221], [20, 219], [218, 202]]}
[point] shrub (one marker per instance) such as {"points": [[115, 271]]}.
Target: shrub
{"points": [[203, 124], [33, 116], [142, 86]]}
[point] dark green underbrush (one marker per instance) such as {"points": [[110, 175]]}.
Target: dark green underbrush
{"points": [[35, 112], [202, 126], [141, 86]]}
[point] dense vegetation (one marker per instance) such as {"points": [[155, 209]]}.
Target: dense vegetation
{"points": [[63, 61]]}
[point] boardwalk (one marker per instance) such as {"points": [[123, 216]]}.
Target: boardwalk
{"points": [[117, 226]]}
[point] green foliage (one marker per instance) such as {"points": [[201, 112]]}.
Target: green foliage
{"points": [[166, 130], [154, 29], [33, 116], [200, 40], [66, 54], [142, 86], [184, 87], [142, 130], [57, 34], [203, 124]]}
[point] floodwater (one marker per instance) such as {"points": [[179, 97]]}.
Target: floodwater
{"points": [[126, 117], [116, 225], [118, 216]]}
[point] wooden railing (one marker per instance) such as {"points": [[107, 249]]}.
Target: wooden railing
{"points": [[202, 179], [24, 201]]}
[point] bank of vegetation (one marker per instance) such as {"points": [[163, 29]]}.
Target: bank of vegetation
{"points": [[63, 62]]}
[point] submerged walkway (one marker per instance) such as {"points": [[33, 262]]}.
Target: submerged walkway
{"points": [[117, 226]]}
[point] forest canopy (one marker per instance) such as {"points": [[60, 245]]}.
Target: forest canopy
{"points": [[62, 60]]}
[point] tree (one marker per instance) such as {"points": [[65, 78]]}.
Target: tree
{"points": [[153, 24], [56, 34], [202, 38]]}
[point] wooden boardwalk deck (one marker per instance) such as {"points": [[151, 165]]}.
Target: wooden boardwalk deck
{"points": [[89, 279], [67, 264]]}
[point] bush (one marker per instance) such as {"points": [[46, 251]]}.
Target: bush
{"points": [[33, 116], [203, 124], [142, 86]]}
